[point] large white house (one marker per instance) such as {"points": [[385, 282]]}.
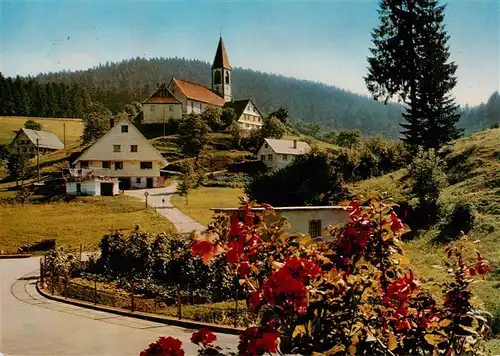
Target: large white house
{"points": [[181, 97], [123, 152], [277, 154]]}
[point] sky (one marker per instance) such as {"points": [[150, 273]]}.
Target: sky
{"points": [[320, 40]]}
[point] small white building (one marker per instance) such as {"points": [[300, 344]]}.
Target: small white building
{"points": [[124, 153], [84, 182], [277, 154], [308, 220]]}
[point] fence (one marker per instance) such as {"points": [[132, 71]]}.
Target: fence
{"points": [[181, 306]]}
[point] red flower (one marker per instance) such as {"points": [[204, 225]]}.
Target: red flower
{"points": [[164, 346], [235, 226], [396, 224], [203, 336], [255, 300], [244, 269], [258, 340], [401, 289], [205, 249], [302, 269], [482, 266], [284, 290]]}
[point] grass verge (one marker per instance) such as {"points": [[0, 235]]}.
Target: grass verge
{"points": [[200, 201]]}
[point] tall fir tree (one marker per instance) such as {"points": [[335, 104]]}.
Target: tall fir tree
{"points": [[410, 61]]}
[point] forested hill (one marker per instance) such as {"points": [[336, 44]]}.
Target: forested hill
{"points": [[117, 84]]}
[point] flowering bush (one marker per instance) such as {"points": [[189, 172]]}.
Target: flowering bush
{"points": [[355, 294]]}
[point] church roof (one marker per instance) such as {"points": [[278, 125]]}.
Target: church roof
{"points": [[198, 92], [221, 59], [161, 96]]}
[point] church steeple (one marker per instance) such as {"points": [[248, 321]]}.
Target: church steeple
{"points": [[221, 72]]}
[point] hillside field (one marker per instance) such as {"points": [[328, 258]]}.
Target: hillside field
{"points": [[83, 220], [474, 176], [9, 124]]}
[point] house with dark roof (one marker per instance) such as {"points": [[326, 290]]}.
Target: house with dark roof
{"points": [[181, 97], [27, 141]]}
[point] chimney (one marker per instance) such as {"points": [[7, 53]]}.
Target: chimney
{"points": [[111, 123], [294, 143]]}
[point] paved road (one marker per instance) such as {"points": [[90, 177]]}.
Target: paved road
{"points": [[181, 221], [33, 325]]}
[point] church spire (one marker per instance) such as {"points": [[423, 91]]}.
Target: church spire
{"points": [[221, 59]]}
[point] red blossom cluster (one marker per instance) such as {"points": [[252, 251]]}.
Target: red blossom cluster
{"points": [[164, 346], [286, 287], [258, 341], [203, 337]]}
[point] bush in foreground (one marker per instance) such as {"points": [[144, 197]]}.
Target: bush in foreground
{"points": [[354, 295]]}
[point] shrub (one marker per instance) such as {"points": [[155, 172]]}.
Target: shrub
{"points": [[427, 172], [461, 220], [352, 295]]}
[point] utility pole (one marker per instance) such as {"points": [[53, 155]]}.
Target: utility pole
{"points": [[38, 160], [64, 130], [163, 121]]}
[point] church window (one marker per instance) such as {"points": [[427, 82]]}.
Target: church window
{"points": [[170, 108], [152, 108], [217, 78], [227, 77], [262, 157], [270, 157]]}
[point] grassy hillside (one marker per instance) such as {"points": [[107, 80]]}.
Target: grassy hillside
{"points": [[82, 221], [74, 127], [474, 176]]}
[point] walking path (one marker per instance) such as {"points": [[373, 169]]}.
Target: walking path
{"points": [[181, 221], [33, 325]]}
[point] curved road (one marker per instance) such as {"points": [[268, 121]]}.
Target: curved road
{"points": [[33, 325]]}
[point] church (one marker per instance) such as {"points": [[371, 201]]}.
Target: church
{"points": [[181, 97]]}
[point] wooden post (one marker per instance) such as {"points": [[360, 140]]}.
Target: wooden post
{"points": [[37, 161], [146, 194], [95, 291], [64, 134], [41, 271], [52, 282], [179, 305], [81, 248], [236, 301], [132, 298]]}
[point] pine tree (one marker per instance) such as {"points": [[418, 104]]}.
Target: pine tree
{"points": [[410, 61]]}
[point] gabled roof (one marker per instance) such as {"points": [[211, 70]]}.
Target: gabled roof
{"points": [[286, 146], [198, 92], [161, 96], [221, 59], [102, 149], [239, 106], [45, 139]]}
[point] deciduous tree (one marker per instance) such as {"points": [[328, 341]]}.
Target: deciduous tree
{"points": [[33, 125]]}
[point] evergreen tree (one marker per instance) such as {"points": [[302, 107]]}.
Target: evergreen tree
{"points": [[410, 61], [493, 109]]}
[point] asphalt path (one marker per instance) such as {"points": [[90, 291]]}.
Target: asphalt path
{"points": [[33, 325], [159, 198]]}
